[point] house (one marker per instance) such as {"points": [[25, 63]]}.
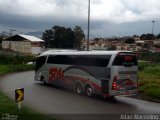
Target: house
{"points": [[24, 44]]}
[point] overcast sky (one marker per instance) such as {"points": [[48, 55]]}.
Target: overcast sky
{"points": [[108, 17]]}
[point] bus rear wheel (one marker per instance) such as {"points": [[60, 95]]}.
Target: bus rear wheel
{"points": [[110, 98], [78, 88], [89, 91]]}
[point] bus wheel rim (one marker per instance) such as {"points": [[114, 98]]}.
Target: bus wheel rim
{"points": [[79, 89], [89, 91]]}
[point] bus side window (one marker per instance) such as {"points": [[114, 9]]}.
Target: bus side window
{"points": [[59, 59], [83, 60], [40, 61], [90, 60]]}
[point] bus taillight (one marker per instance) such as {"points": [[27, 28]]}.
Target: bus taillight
{"points": [[114, 84], [129, 82]]}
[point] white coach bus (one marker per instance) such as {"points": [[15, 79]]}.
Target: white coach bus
{"points": [[106, 73]]}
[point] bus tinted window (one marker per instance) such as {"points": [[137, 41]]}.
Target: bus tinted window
{"points": [[125, 60], [40, 61], [58, 59], [83, 60], [90, 60]]}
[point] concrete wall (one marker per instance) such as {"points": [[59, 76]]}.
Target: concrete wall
{"points": [[23, 47], [37, 50], [5, 44]]}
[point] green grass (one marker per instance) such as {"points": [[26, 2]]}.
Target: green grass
{"points": [[149, 80], [9, 64], [7, 106], [4, 69], [14, 63]]}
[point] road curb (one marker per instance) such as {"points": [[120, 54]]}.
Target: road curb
{"points": [[142, 97]]}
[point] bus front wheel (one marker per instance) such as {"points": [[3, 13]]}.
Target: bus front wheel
{"points": [[43, 80], [78, 88]]}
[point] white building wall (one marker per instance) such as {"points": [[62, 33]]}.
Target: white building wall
{"points": [[36, 50], [5, 44], [138, 48], [125, 47], [23, 47], [119, 48]]}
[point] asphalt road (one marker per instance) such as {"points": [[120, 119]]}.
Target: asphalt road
{"points": [[63, 103]]}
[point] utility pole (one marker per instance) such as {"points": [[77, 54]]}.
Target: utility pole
{"points": [[153, 30], [153, 39], [88, 25], [11, 30]]}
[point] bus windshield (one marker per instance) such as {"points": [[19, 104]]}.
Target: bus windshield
{"points": [[125, 59], [40, 61]]}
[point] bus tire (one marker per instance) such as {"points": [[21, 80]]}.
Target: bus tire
{"points": [[89, 91], [78, 88], [111, 99], [43, 80]]}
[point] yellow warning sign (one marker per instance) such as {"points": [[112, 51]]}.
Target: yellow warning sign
{"points": [[19, 94]]}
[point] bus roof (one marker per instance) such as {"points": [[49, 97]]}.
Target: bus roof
{"points": [[75, 52]]}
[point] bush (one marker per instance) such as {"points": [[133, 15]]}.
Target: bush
{"points": [[4, 69], [11, 59], [152, 91], [153, 70], [151, 56], [149, 80], [142, 65], [14, 63]]}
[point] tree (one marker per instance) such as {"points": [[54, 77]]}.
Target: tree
{"points": [[59, 37], [64, 37], [78, 37], [143, 37], [49, 36], [135, 36], [147, 36], [158, 36], [146, 45], [150, 36], [129, 41], [1, 38]]}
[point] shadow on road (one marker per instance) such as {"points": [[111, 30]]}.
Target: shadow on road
{"points": [[114, 100]]}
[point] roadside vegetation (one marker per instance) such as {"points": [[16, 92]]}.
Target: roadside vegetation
{"points": [[149, 80], [9, 111], [149, 84], [9, 64], [14, 63], [150, 56], [4, 69]]}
